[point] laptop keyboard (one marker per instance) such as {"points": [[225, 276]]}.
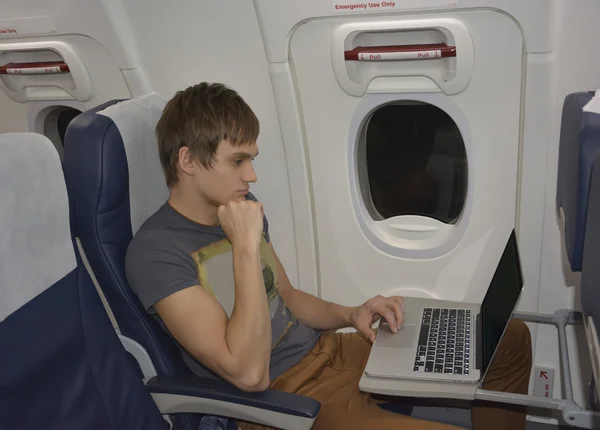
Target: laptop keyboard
{"points": [[444, 341]]}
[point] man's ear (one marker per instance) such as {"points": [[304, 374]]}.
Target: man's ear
{"points": [[186, 161]]}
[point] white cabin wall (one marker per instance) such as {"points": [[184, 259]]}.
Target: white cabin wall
{"points": [[182, 43], [577, 69], [534, 149], [13, 115]]}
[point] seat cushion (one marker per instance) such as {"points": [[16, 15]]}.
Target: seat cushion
{"points": [[63, 367]]}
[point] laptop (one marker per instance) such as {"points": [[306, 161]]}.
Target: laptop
{"points": [[450, 341]]}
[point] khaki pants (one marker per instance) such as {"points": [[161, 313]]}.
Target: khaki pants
{"points": [[331, 371]]}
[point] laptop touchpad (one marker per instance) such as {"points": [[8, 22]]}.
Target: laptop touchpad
{"points": [[403, 339]]}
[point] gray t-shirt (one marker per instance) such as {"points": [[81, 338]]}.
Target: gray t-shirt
{"points": [[171, 252]]}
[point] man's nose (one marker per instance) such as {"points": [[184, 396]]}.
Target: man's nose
{"points": [[250, 174]]}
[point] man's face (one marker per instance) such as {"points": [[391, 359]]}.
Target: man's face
{"points": [[230, 176]]}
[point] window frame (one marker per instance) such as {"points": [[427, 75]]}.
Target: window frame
{"points": [[407, 236], [50, 125]]}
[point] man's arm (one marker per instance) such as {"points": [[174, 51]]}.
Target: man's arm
{"points": [[312, 311], [320, 314], [238, 348]]}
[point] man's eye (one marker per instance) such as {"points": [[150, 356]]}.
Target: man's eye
{"points": [[238, 162]]}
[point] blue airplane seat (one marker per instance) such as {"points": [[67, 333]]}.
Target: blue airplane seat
{"points": [[61, 363], [579, 143], [578, 204], [115, 182], [590, 276]]}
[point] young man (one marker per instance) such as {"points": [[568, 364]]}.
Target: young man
{"points": [[205, 267]]}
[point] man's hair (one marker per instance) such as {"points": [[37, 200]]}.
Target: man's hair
{"points": [[200, 117]]}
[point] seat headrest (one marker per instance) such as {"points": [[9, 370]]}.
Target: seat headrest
{"points": [[136, 121], [34, 218]]}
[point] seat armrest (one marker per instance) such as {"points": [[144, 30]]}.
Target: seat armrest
{"points": [[174, 394]]}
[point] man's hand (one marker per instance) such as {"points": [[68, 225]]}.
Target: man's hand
{"points": [[242, 222], [365, 315]]}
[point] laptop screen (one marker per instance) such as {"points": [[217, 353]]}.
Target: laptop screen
{"points": [[500, 300]]}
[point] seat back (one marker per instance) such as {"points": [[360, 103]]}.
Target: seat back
{"points": [[115, 183], [61, 363], [578, 201], [578, 144], [590, 273]]}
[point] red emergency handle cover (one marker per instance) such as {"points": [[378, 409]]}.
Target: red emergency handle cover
{"points": [[37, 68], [400, 52]]}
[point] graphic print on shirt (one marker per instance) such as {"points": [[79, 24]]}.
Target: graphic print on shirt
{"points": [[214, 267]]}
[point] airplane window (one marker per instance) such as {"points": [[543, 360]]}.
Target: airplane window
{"points": [[56, 123], [64, 119], [413, 163]]}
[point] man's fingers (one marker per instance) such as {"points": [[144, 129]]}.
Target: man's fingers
{"points": [[400, 301], [368, 332], [387, 312], [398, 312], [391, 310]]}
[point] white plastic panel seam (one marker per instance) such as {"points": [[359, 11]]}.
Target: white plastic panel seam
{"points": [[452, 28], [292, 130], [137, 81], [83, 83], [117, 16]]}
